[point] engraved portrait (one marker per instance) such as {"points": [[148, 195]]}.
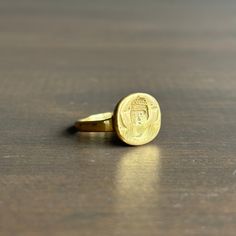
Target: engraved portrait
{"points": [[139, 118]]}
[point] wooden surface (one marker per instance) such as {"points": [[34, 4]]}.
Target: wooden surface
{"points": [[63, 60]]}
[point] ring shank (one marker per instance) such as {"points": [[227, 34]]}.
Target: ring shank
{"points": [[96, 123]]}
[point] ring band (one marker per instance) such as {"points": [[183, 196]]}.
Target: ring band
{"points": [[96, 123], [136, 120]]}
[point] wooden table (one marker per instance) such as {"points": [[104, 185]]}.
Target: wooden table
{"points": [[63, 60]]}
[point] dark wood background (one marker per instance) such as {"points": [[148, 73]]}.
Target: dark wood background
{"points": [[63, 60]]}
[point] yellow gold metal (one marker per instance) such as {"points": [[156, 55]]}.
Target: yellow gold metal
{"points": [[136, 120], [96, 123]]}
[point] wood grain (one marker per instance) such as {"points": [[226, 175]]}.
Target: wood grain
{"points": [[63, 60]]}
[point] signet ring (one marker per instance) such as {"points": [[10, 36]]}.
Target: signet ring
{"points": [[136, 120]]}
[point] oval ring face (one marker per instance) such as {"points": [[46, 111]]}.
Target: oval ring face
{"points": [[137, 119]]}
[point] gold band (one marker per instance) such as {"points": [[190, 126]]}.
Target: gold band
{"points": [[96, 123]]}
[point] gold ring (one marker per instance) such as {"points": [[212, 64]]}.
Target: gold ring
{"points": [[136, 119]]}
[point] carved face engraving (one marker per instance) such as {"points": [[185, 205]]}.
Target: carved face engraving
{"points": [[139, 111], [138, 117]]}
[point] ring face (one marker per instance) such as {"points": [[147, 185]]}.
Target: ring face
{"points": [[137, 119]]}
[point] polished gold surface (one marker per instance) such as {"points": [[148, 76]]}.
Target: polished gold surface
{"points": [[136, 120], [96, 123]]}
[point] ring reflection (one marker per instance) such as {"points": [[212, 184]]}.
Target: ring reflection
{"points": [[137, 178]]}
